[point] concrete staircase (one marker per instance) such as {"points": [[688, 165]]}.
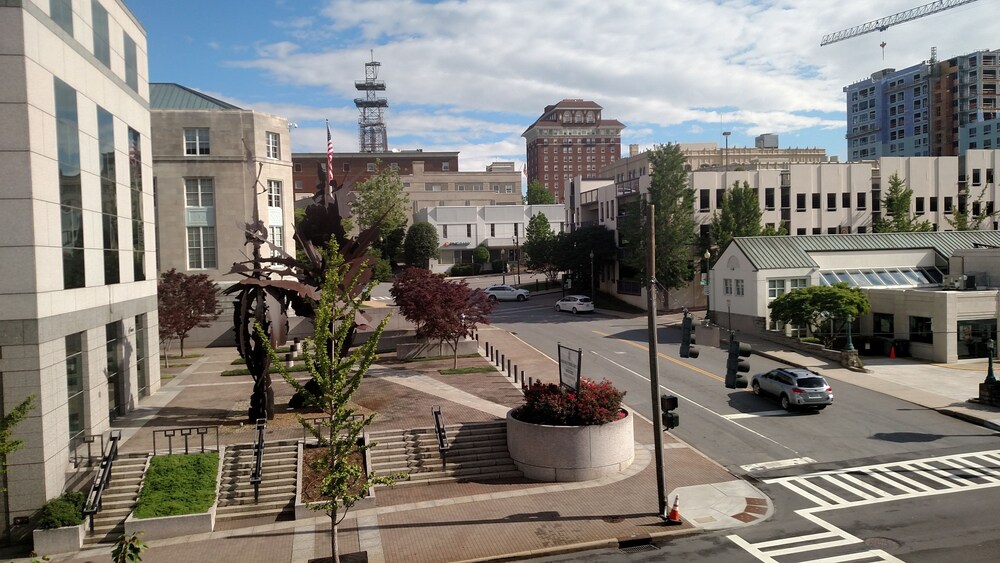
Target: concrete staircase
{"points": [[118, 499], [277, 488], [478, 452]]}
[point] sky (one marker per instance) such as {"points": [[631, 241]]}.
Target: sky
{"points": [[471, 76]]}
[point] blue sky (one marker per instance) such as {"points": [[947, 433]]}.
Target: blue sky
{"points": [[471, 76]]}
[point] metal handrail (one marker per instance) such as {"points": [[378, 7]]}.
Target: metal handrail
{"points": [[258, 459], [441, 433], [94, 497], [89, 440], [186, 434]]}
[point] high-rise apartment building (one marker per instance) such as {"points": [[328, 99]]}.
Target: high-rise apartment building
{"points": [[571, 138], [934, 108], [78, 316]]}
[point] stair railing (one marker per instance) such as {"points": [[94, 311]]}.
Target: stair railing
{"points": [[103, 478], [257, 474], [441, 433]]}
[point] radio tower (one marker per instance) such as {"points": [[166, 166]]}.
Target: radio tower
{"points": [[371, 124]]}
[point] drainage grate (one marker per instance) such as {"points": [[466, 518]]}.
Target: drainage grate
{"points": [[638, 548]]}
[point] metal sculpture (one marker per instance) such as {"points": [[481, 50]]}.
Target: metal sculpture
{"points": [[272, 283]]}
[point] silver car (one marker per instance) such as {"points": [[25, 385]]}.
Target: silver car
{"points": [[506, 293], [575, 304], [794, 387]]}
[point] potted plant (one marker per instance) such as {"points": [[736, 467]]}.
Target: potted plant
{"points": [[60, 525], [561, 434]]}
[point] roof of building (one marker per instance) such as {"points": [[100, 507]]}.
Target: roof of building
{"points": [[167, 95], [778, 252]]}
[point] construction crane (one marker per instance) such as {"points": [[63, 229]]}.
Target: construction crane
{"points": [[902, 17]]}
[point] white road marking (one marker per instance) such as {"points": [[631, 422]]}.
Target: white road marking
{"points": [[757, 414], [777, 464]]}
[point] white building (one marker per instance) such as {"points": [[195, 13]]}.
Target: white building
{"points": [[501, 228], [78, 322], [805, 199], [935, 295]]}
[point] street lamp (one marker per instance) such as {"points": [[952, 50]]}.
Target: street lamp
{"points": [[725, 154], [517, 258], [593, 290], [991, 347], [708, 287], [849, 346]]}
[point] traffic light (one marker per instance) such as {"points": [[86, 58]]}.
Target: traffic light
{"points": [[670, 419], [688, 349], [735, 364]]}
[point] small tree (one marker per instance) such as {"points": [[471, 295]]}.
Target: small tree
{"points": [[965, 218], [815, 305], [738, 215], [896, 216], [421, 245], [380, 200], [440, 309], [538, 195], [337, 377], [480, 255], [7, 424], [540, 246], [184, 302]]}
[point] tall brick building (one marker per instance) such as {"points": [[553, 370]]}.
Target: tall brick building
{"points": [[571, 138]]}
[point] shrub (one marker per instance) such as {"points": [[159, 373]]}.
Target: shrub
{"points": [[594, 403], [66, 510], [463, 269], [811, 340]]}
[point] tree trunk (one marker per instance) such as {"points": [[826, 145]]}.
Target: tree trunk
{"points": [[454, 349], [182, 347], [335, 557]]}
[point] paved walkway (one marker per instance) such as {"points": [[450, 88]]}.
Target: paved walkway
{"points": [[488, 520]]}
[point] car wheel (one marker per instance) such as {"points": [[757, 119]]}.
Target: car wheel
{"points": [[785, 403], [558, 309], [756, 388], [574, 310], [521, 298], [493, 298]]}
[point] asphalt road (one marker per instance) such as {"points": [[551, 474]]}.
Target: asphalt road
{"points": [[753, 437]]}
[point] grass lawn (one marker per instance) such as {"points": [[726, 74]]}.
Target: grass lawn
{"points": [[245, 371], [178, 484], [476, 369]]}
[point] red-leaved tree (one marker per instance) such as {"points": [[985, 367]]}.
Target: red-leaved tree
{"points": [[442, 310], [184, 302]]}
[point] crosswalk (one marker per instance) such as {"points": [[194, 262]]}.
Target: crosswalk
{"points": [[870, 484]]}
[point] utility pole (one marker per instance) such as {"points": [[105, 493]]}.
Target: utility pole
{"points": [[654, 372]]}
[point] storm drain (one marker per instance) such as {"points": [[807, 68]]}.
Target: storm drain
{"points": [[637, 545]]}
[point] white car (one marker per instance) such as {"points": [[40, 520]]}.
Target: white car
{"points": [[506, 293], [575, 304]]}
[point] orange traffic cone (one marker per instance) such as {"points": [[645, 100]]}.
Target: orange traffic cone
{"points": [[892, 352], [674, 517]]}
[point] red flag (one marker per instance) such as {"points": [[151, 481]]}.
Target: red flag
{"points": [[329, 154]]}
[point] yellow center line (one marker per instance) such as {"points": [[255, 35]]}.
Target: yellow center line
{"points": [[665, 357]]}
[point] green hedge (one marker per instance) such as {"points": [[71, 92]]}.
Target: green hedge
{"points": [[178, 484], [66, 510]]}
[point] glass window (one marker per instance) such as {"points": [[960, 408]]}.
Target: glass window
{"points": [[199, 192], [775, 288], [102, 40], [727, 285], [739, 287], [273, 145], [201, 248], [113, 349], [74, 383], [196, 141], [274, 193], [70, 196], [141, 367], [276, 238], [61, 12], [109, 195], [131, 64], [921, 330]]}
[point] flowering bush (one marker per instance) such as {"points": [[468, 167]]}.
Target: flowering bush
{"points": [[594, 403]]}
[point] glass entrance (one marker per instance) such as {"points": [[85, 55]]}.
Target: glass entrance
{"points": [[972, 337]]}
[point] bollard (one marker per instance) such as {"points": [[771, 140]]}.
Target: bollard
{"points": [[489, 351], [508, 368], [288, 360], [522, 375], [296, 345], [477, 336], [503, 360], [515, 372], [496, 356]]}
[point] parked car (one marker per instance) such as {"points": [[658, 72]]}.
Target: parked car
{"points": [[575, 304], [506, 293], [794, 387]]}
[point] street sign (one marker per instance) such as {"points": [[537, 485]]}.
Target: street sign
{"points": [[569, 367]]}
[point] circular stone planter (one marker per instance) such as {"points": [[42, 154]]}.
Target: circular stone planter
{"points": [[570, 453]]}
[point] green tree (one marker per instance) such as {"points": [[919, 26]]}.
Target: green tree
{"points": [[965, 219], [675, 227], [538, 195], [421, 244], [380, 200], [573, 253], [480, 255], [539, 246], [336, 378], [184, 302], [816, 305], [738, 216], [896, 216], [7, 424]]}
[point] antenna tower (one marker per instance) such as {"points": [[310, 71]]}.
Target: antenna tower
{"points": [[371, 123]]}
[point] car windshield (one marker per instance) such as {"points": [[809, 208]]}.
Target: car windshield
{"points": [[584, 300], [811, 382]]}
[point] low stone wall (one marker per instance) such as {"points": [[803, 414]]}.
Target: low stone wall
{"points": [[304, 510], [183, 525], [409, 351], [59, 540], [570, 453]]}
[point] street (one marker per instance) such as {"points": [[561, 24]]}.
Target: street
{"points": [[856, 478]]}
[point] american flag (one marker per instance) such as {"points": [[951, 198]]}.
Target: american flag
{"points": [[329, 154]]}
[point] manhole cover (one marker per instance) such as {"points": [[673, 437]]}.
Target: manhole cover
{"points": [[882, 543], [639, 548], [613, 519]]}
